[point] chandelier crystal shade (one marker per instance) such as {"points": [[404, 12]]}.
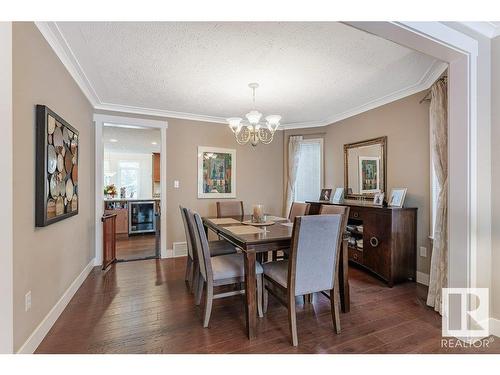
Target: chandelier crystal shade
{"points": [[252, 129]]}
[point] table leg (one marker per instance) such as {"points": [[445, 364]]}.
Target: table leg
{"points": [[345, 303], [250, 280]]}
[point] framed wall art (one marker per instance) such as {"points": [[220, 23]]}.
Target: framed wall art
{"points": [[56, 168], [369, 176], [216, 172]]}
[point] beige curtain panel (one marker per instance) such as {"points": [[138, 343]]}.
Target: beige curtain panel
{"points": [[293, 165], [439, 145]]}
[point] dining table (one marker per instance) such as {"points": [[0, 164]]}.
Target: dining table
{"points": [[255, 239]]}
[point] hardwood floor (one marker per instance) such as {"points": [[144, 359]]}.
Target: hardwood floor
{"points": [[145, 307], [135, 247]]}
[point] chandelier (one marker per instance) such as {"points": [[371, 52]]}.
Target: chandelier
{"points": [[253, 130]]}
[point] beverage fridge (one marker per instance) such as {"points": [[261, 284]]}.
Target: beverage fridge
{"points": [[142, 217]]}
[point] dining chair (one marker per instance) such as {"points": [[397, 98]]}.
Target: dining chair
{"points": [[311, 267], [218, 271], [297, 209], [329, 209], [230, 208], [216, 248]]}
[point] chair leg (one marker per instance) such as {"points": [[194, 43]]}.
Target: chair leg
{"points": [[259, 296], [292, 319], [334, 306], [209, 294], [196, 277], [265, 296], [189, 264], [199, 290]]}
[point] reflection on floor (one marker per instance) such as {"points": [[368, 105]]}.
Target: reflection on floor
{"points": [[145, 307], [135, 247]]}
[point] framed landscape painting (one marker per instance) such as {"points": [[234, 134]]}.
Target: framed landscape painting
{"points": [[369, 174], [216, 172], [56, 168]]}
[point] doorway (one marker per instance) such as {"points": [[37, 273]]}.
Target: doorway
{"points": [[131, 183], [132, 188]]}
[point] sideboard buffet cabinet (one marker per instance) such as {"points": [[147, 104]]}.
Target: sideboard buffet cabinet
{"points": [[382, 240]]}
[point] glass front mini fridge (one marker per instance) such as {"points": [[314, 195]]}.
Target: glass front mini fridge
{"points": [[142, 217]]}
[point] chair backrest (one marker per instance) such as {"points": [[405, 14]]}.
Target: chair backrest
{"points": [[188, 231], [330, 209], [314, 254], [229, 208], [298, 209], [201, 244]]}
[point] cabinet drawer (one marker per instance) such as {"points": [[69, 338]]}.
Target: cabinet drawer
{"points": [[355, 255]]}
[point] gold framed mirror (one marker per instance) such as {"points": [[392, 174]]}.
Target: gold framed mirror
{"points": [[365, 168]]}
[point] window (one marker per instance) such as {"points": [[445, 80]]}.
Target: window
{"points": [[129, 176], [310, 170]]}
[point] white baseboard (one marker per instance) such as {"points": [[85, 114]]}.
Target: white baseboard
{"points": [[495, 327], [177, 251], [423, 278], [180, 249], [46, 324]]}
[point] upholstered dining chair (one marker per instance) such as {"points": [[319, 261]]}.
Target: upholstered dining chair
{"points": [[216, 248], [230, 208], [297, 209], [311, 267], [329, 209], [220, 270]]}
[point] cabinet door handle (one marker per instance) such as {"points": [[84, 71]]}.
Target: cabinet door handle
{"points": [[355, 214], [374, 241], [355, 256]]}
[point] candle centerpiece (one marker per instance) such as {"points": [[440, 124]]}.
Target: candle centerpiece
{"points": [[258, 213]]}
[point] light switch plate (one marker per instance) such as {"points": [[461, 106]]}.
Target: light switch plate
{"points": [[176, 184], [423, 251]]}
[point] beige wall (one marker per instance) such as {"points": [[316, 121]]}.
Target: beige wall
{"points": [[406, 124], [259, 175], [46, 260], [495, 160], [258, 171]]}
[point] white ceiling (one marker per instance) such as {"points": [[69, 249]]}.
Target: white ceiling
{"points": [[310, 73], [131, 140]]}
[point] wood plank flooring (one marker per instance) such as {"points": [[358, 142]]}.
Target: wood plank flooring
{"points": [[135, 247], [145, 307]]}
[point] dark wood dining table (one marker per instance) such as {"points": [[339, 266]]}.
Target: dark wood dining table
{"points": [[277, 237]]}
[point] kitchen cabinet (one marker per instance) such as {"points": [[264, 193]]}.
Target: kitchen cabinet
{"points": [[156, 167]]}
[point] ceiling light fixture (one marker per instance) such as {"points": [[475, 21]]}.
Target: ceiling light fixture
{"points": [[112, 140], [154, 143], [253, 130]]}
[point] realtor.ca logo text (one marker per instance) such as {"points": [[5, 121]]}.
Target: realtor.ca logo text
{"points": [[465, 322]]}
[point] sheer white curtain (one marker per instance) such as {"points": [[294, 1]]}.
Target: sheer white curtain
{"points": [[293, 164], [439, 145]]}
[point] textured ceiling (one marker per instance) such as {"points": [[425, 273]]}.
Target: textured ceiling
{"points": [[308, 72]]}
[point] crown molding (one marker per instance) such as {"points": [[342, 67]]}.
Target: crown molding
{"points": [[158, 113], [429, 77], [56, 40], [488, 29]]}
